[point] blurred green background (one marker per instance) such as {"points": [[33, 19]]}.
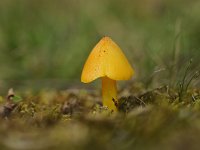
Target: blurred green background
{"points": [[50, 40]]}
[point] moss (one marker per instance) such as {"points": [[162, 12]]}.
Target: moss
{"points": [[75, 120]]}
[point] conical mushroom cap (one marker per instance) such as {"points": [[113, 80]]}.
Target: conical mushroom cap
{"points": [[106, 59]]}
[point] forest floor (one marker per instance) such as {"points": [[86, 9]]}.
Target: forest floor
{"points": [[161, 118]]}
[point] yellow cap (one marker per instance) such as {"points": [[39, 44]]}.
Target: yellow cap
{"points": [[106, 59]]}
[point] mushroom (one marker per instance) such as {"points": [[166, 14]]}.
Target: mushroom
{"points": [[107, 61]]}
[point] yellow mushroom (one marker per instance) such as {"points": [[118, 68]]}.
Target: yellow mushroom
{"points": [[107, 61]]}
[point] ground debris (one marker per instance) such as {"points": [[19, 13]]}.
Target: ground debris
{"points": [[11, 103], [154, 117]]}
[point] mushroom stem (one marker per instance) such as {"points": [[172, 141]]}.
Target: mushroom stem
{"points": [[109, 92]]}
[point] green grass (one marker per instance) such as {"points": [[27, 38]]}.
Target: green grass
{"points": [[163, 34]]}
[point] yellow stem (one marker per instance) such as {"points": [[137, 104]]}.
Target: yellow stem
{"points": [[109, 92]]}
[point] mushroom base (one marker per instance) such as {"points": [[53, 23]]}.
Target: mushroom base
{"points": [[109, 93]]}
